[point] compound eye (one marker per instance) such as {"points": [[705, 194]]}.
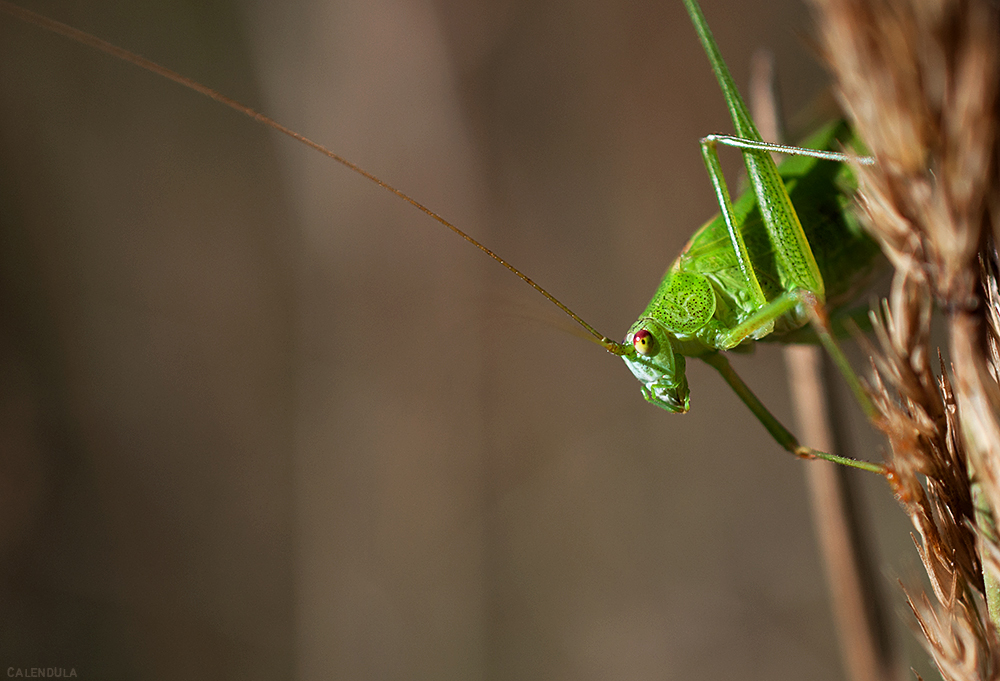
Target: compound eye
{"points": [[645, 344]]}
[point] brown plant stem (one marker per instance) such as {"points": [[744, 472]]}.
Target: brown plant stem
{"points": [[857, 605]]}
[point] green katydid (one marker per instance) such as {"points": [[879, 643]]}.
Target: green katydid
{"points": [[767, 270], [721, 292]]}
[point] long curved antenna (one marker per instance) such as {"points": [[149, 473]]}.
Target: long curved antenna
{"points": [[89, 40]]}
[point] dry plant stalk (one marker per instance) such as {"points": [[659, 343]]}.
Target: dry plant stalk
{"points": [[919, 80]]}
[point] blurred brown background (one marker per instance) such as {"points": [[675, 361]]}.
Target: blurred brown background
{"points": [[261, 420]]}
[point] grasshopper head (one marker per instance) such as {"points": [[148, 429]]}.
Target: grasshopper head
{"points": [[657, 366]]}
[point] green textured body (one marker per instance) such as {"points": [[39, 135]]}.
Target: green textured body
{"points": [[821, 193]]}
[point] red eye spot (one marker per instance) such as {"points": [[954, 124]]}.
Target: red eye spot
{"points": [[644, 343]]}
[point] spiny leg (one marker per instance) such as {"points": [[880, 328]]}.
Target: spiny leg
{"points": [[822, 154], [778, 431], [764, 317]]}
